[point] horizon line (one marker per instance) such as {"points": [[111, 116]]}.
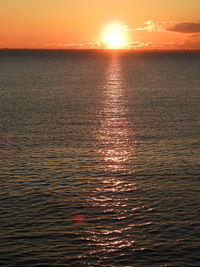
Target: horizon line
{"points": [[102, 49]]}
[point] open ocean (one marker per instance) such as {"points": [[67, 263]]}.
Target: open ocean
{"points": [[99, 158]]}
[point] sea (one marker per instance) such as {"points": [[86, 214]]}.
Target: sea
{"points": [[99, 158]]}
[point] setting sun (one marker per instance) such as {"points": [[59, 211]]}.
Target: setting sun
{"points": [[115, 36]]}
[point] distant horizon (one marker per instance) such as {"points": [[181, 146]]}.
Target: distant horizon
{"points": [[102, 49]]}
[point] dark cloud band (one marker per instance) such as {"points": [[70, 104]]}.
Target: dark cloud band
{"points": [[185, 27]]}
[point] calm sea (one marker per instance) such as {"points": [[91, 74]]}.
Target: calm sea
{"points": [[99, 158]]}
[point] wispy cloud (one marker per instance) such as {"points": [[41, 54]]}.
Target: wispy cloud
{"points": [[140, 44], [168, 35], [151, 26], [185, 27], [171, 26], [74, 45]]}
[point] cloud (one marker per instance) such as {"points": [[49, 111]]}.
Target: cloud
{"points": [[170, 26], [151, 26], [140, 44], [185, 27], [74, 45]]}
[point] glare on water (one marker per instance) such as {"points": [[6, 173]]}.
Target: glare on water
{"points": [[115, 147], [114, 133]]}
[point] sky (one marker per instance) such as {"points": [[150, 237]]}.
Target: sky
{"points": [[148, 24]]}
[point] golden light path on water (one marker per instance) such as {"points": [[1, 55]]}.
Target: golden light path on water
{"points": [[114, 134], [114, 192]]}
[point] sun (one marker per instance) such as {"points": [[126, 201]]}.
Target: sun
{"points": [[114, 39], [115, 36]]}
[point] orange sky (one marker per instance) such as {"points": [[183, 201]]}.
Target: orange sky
{"points": [[150, 24]]}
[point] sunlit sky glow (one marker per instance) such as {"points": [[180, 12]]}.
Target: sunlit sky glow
{"points": [[144, 24]]}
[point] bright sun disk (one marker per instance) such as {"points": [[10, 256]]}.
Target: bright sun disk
{"points": [[115, 36]]}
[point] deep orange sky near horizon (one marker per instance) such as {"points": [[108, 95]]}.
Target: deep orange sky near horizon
{"points": [[164, 24]]}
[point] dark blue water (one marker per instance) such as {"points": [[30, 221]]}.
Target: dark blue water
{"points": [[99, 158]]}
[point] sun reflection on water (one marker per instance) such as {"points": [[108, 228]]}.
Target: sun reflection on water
{"points": [[114, 134], [115, 207]]}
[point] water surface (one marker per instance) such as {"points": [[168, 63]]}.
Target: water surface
{"points": [[99, 158]]}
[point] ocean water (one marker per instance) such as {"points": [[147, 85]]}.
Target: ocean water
{"points": [[99, 158]]}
